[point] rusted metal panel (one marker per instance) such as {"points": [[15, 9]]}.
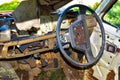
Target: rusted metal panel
{"points": [[89, 74], [111, 75]]}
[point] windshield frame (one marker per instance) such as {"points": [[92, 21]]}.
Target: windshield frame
{"points": [[102, 10]]}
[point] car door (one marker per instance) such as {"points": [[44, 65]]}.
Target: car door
{"points": [[108, 68]]}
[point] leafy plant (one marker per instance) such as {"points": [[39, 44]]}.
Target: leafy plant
{"points": [[113, 15], [9, 6], [94, 6]]}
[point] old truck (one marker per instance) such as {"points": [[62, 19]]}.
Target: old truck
{"points": [[43, 35]]}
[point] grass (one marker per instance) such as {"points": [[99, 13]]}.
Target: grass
{"points": [[9, 6]]}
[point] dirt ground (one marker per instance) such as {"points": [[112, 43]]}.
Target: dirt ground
{"points": [[56, 74]]}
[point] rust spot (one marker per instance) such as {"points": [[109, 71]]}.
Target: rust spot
{"points": [[119, 73], [118, 50], [111, 75], [79, 35], [23, 75], [89, 75], [1, 48]]}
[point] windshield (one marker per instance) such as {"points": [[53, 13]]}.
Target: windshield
{"points": [[92, 4]]}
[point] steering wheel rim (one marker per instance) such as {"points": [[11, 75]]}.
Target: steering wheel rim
{"points": [[69, 59]]}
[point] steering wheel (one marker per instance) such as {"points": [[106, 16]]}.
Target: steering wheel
{"points": [[79, 38]]}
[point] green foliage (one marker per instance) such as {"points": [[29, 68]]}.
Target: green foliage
{"points": [[113, 15], [94, 6], [9, 6]]}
